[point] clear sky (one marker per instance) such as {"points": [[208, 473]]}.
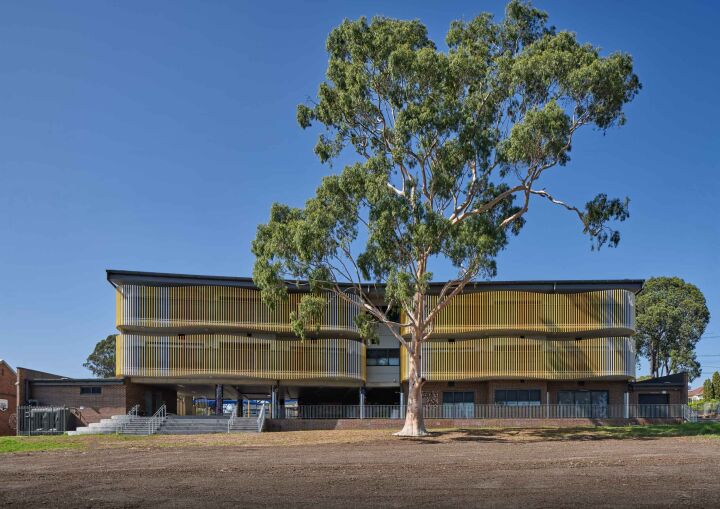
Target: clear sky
{"points": [[155, 135]]}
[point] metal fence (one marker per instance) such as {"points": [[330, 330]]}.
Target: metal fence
{"points": [[34, 420], [491, 411]]}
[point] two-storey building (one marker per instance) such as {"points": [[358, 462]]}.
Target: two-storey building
{"points": [[509, 343]]}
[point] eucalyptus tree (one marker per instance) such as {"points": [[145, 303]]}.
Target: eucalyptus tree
{"points": [[671, 318], [445, 152]]}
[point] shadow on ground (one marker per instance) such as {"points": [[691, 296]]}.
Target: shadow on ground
{"points": [[646, 432]]}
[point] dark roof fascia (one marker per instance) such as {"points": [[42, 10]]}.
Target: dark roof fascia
{"points": [[78, 381], [546, 286], [677, 379]]}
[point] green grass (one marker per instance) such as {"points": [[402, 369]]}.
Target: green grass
{"points": [[59, 442]]}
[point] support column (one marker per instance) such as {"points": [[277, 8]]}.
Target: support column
{"points": [[362, 402], [273, 402], [218, 399], [402, 404], [626, 411]]}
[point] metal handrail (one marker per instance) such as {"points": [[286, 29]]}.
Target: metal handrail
{"points": [[157, 419], [133, 412], [261, 418], [233, 416]]}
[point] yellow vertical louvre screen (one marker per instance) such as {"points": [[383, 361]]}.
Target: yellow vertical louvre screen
{"points": [[239, 356], [514, 311], [493, 358], [222, 307]]}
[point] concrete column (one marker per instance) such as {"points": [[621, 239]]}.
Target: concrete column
{"points": [[273, 402], [547, 404], [626, 412], [402, 403], [362, 402], [218, 399]]}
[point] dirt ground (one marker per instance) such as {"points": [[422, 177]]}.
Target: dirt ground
{"points": [[369, 469]]}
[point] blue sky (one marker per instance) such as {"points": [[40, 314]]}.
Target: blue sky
{"points": [[155, 135]]}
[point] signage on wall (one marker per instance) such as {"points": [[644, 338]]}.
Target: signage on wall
{"points": [[3, 405]]}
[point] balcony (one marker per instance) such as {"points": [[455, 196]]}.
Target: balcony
{"points": [[244, 358], [519, 358], [203, 309], [587, 314]]}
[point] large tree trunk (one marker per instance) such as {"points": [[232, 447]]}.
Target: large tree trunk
{"points": [[414, 418]]}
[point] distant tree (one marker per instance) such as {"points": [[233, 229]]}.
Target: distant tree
{"points": [[716, 385], [446, 150], [671, 318], [102, 361], [708, 391]]}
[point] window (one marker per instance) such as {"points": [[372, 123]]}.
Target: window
{"points": [[592, 404], [517, 397], [383, 357], [599, 398], [90, 390], [456, 397]]}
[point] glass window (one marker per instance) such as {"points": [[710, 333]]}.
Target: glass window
{"points": [[383, 357], [90, 390], [517, 397], [457, 397]]}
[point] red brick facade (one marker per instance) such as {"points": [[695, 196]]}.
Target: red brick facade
{"points": [[8, 392]]}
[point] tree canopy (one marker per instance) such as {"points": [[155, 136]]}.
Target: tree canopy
{"points": [[447, 151], [671, 318], [101, 362]]}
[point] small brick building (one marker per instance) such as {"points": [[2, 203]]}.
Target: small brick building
{"points": [[7, 397], [89, 399]]}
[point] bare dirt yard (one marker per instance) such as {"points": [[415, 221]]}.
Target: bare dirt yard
{"points": [[349, 469]]}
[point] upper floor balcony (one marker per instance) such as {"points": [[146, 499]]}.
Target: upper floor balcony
{"points": [[246, 359], [524, 358], [560, 315], [209, 308]]}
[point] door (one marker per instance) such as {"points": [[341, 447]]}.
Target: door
{"points": [[653, 406]]}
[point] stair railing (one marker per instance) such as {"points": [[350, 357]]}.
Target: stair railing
{"points": [[133, 412], [233, 416], [261, 418], [157, 419]]}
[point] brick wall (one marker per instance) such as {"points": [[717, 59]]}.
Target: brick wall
{"points": [[86, 408], [8, 391], [616, 390], [433, 391], [24, 377]]}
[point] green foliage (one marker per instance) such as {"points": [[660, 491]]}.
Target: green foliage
{"points": [[671, 318], [446, 151], [101, 362], [709, 390], [716, 385], [367, 327]]}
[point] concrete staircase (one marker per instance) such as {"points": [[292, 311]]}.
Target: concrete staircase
{"points": [[104, 427], [193, 425], [138, 426], [171, 425], [244, 425]]}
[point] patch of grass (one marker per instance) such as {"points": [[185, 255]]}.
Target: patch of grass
{"points": [[39, 443], [687, 429]]}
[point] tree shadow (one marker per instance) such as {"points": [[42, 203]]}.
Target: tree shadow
{"points": [[577, 434]]}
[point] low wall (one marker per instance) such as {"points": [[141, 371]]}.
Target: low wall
{"points": [[345, 424]]}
